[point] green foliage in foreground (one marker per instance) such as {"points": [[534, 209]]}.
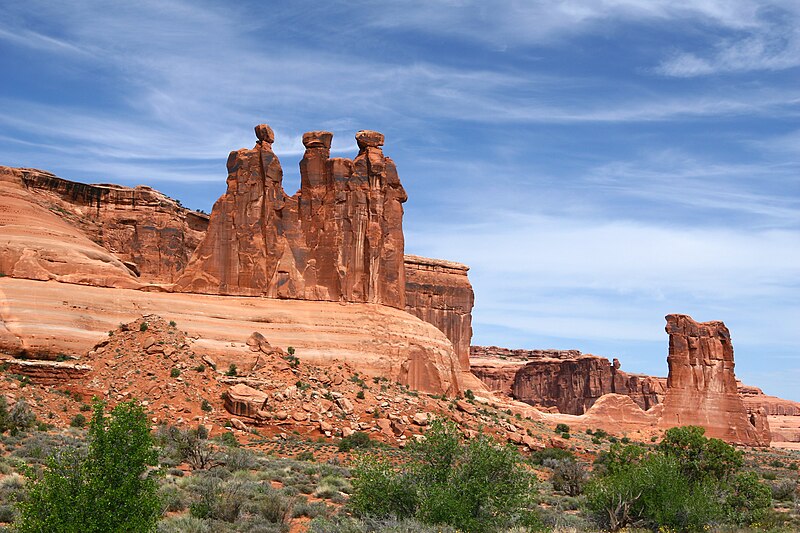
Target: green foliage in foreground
{"points": [[473, 486], [107, 489], [686, 483]]}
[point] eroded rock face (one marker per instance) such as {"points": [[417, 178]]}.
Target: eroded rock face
{"points": [[340, 238], [440, 293], [701, 386], [567, 380], [378, 340], [148, 232], [783, 415]]}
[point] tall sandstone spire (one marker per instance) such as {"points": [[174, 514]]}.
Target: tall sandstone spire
{"points": [[340, 238], [701, 387]]}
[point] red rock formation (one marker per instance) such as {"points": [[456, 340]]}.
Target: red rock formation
{"points": [[47, 372], [565, 379], [701, 386], [783, 415], [151, 234], [440, 293], [340, 238]]}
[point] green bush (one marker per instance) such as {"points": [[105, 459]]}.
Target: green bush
{"points": [[539, 456], [747, 501], [78, 421], [686, 483], [562, 428], [232, 370], [143, 326], [698, 456], [107, 489], [474, 486], [358, 439], [379, 491], [174, 373], [654, 491]]}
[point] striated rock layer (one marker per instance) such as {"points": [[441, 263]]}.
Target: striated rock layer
{"points": [[783, 415], [701, 386], [376, 339], [340, 238], [440, 293], [47, 221], [567, 380]]}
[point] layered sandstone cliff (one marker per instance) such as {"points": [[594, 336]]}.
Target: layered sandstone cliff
{"points": [[440, 293], [150, 233], [783, 415], [701, 386], [48, 319], [567, 380], [340, 238]]}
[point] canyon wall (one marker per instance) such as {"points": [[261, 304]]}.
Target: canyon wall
{"points": [[440, 293], [340, 238], [150, 233], [566, 380], [701, 386]]}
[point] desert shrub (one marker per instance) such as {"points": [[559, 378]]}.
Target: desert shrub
{"points": [[380, 491], [143, 326], [686, 483], [184, 524], [20, 418], [473, 486], [236, 459], [205, 405], [359, 439], [232, 370], [341, 524], [539, 456], [189, 445], [219, 499], [305, 455], [698, 456], [569, 477], [107, 488], [172, 499], [748, 501], [78, 421], [653, 491], [469, 395], [174, 373], [275, 507], [784, 490], [562, 428], [310, 509]]}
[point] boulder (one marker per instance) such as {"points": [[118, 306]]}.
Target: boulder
{"points": [[242, 400]]}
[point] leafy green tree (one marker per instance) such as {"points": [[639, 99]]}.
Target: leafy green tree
{"points": [[108, 489]]}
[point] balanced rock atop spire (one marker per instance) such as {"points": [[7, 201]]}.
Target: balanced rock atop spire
{"points": [[701, 387], [340, 238]]}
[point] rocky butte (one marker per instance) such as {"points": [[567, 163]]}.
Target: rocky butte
{"points": [[324, 271]]}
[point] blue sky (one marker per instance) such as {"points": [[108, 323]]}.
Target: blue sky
{"points": [[598, 163]]}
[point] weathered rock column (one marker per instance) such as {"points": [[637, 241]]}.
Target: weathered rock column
{"points": [[701, 386]]}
